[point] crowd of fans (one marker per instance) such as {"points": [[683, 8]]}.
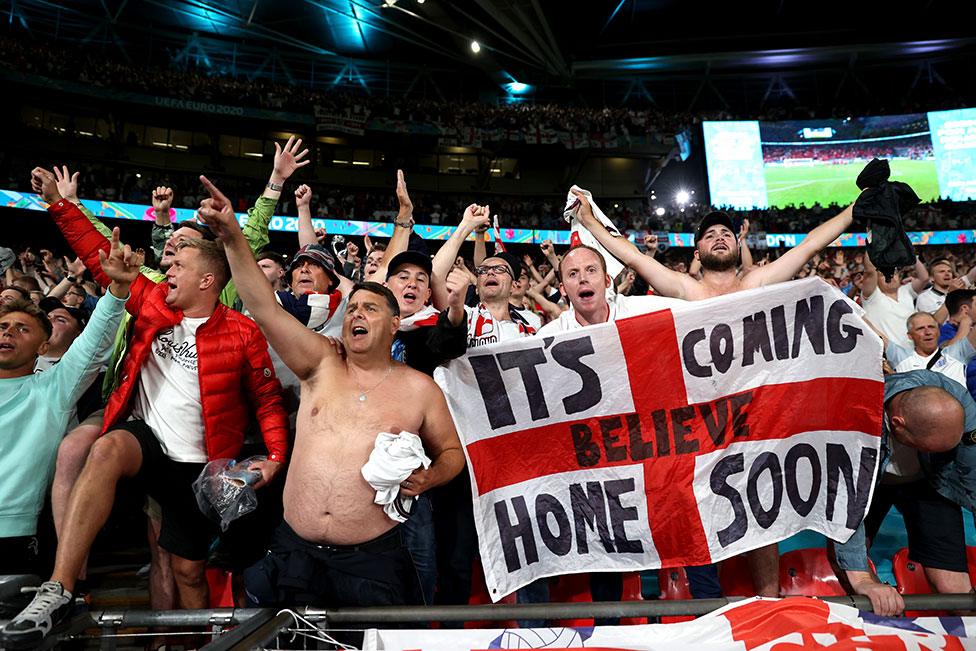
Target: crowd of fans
{"points": [[827, 153], [221, 331], [64, 61], [114, 182]]}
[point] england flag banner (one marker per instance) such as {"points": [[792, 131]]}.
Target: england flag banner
{"points": [[680, 437]]}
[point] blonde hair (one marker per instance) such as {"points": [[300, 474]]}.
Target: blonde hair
{"points": [[212, 254]]}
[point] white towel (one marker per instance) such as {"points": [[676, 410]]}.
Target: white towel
{"points": [[583, 236], [393, 458]]}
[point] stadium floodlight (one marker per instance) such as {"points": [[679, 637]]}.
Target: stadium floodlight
{"points": [[475, 47], [420, 2], [682, 197], [659, 211], [389, 3]]}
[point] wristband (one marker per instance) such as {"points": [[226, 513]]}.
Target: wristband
{"points": [[407, 224], [274, 187]]}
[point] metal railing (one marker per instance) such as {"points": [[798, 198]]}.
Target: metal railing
{"points": [[252, 628]]}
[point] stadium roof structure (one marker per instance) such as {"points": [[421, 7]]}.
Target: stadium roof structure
{"points": [[737, 56]]}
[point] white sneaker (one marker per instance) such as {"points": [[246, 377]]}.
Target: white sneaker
{"points": [[49, 606]]}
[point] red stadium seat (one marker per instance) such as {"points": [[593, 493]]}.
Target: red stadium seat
{"points": [[673, 584], [571, 588], [909, 575], [479, 595], [808, 572], [632, 592], [910, 578], [220, 582], [971, 563], [736, 577]]}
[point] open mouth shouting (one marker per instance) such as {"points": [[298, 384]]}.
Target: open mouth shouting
{"points": [[359, 332], [586, 293]]}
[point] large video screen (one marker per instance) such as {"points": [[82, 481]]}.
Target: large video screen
{"points": [[774, 164]]}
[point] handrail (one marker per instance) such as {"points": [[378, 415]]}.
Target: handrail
{"points": [[490, 612]]}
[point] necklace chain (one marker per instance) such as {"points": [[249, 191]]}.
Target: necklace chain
{"points": [[362, 394]]}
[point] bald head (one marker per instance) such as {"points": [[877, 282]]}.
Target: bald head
{"points": [[928, 419]]}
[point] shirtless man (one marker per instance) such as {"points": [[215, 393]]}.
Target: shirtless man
{"points": [[717, 248], [335, 546]]}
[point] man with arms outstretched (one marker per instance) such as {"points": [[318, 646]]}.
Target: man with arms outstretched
{"points": [[717, 248], [336, 546]]}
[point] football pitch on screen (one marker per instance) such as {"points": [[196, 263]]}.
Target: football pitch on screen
{"points": [[825, 184]]}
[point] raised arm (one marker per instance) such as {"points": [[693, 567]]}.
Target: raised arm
{"points": [[302, 350], [921, 279], [664, 281], [306, 229], [788, 264], [869, 283], [67, 185], [745, 255], [480, 245], [82, 237], [474, 216], [402, 227]]}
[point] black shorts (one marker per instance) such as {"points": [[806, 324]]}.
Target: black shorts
{"points": [[185, 530], [936, 536]]}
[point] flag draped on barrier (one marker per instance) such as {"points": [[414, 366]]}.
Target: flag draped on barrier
{"points": [[793, 623], [680, 437]]}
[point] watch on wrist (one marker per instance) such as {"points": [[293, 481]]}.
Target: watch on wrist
{"points": [[407, 224], [275, 187], [71, 279]]}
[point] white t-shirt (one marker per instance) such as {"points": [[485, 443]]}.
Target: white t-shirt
{"points": [[168, 396], [890, 316], [621, 307], [930, 300], [951, 364]]}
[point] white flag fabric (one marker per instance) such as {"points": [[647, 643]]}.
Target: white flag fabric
{"points": [[579, 235], [761, 624], [672, 438]]}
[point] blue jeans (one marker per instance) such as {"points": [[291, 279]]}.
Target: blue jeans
{"points": [[418, 537]]}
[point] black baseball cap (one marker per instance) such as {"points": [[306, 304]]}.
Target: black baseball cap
{"points": [[49, 304], [714, 218], [410, 257]]}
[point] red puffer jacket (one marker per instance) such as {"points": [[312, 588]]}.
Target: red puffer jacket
{"points": [[234, 368]]}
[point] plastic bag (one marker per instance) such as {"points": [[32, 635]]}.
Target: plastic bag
{"points": [[225, 489]]}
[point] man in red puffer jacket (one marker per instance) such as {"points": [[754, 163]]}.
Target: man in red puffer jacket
{"points": [[194, 372]]}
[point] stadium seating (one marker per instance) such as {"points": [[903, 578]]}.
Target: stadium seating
{"points": [[479, 596], [571, 588], [220, 583], [808, 572], [673, 584], [632, 592], [736, 577]]}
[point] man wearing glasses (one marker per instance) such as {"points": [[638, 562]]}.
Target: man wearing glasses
{"points": [[492, 320]]}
